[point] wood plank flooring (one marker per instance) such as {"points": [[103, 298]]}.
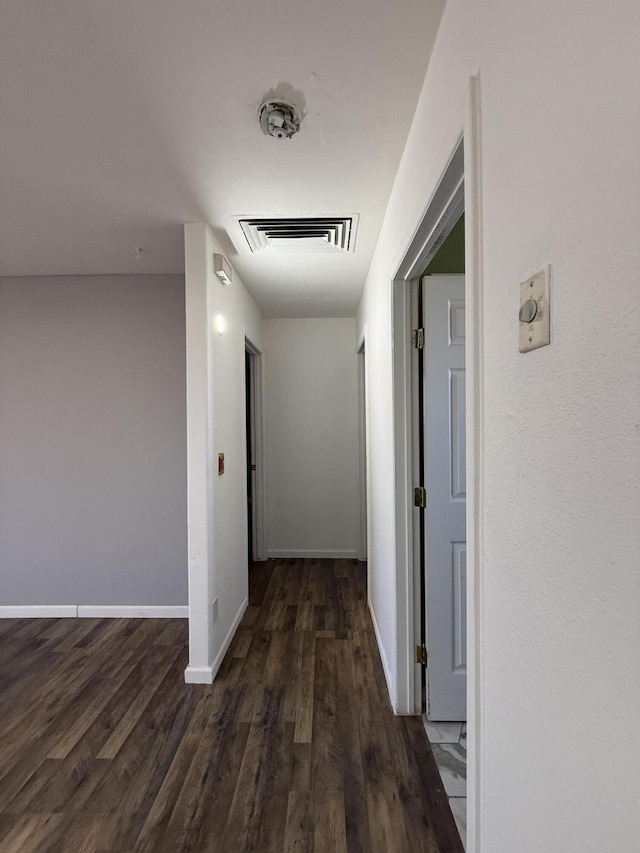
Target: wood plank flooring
{"points": [[293, 749]]}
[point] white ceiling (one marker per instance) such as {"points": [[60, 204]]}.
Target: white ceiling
{"points": [[120, 121]]}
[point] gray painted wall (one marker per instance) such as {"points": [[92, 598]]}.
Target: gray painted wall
{"points": [[312, 437], [93, 440]]}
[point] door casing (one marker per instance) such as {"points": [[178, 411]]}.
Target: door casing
{"points": [[362, 449], [257, 439]]}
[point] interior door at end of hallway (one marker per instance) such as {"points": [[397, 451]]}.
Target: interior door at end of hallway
{"points": [[445, 481]]}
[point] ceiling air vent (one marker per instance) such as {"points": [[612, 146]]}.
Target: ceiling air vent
{"points": [[318, 233]]}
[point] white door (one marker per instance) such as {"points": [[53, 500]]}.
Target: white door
{"points": [[445, 482]]}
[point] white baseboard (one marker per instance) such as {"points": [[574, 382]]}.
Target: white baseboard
{"points": [[383, 657], [93, 611], [38, 611], [215, 666], [132, 611], [206, 674], [284, 553], [198, 675]]}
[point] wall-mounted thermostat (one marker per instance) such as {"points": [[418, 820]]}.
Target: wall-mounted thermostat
{"points": [[534, 311]]}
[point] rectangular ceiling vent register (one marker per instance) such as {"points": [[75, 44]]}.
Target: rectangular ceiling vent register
{"points": [[316, 233]]}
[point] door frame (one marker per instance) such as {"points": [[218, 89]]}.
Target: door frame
{"points": [[458, 191], [257, 439], [362, 447]]}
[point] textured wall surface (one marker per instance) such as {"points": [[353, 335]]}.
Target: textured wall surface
{"points": [[559, 597], [93, 441]]}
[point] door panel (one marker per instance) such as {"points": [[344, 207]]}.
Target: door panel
{"points": [[445, 481], [459, 606], [458, 451]]}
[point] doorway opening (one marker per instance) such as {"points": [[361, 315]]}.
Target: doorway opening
{"points": [[457, 192], [250, 442], [254, 432], [440, 446], [444, 211]]}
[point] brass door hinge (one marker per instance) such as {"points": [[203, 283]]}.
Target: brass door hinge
{"points": [[417, 337], [421, 655], [420, 497]]}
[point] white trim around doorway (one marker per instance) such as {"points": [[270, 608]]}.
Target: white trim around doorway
{"points": [[363, 497], [256, 401]]}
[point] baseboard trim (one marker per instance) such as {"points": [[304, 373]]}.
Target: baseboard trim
{"points": [[206, 674], [383, 657], [132, 611], [198, 675], [217, 661], [38, 611], [283, 553], [93, 611]]}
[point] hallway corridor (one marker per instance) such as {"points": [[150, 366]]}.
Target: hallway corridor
{"points": [[293, 748]]}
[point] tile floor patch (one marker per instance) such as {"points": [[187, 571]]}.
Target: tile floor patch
{"points": [[459, 811], [443, 732], [449, 748], [452, 764]]}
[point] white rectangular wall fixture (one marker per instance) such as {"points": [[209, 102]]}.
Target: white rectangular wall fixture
{"points": [[222, 268], [535, 330]]}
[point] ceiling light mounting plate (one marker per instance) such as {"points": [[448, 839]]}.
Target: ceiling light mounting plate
{"points": [[279, 118]]}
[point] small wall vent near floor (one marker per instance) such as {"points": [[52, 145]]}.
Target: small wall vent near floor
{"points": [[310, 234]]}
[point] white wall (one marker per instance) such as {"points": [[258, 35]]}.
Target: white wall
{"points": [[92, 441], [311, 428], [218, 561], [559, 597]]}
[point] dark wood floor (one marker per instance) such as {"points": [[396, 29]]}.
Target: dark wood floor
{"points": [[293, 748]]}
